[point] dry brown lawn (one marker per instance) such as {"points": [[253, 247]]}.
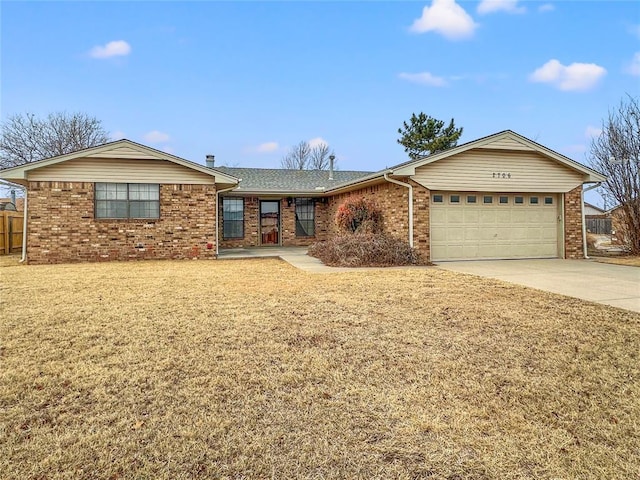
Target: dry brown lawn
{"points": [[253, 369], [631, 260]]}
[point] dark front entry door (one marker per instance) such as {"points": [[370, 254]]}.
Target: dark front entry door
{"points": [[270, 222]]}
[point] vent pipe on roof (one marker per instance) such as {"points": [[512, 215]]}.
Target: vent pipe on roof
{"points": [[211, 161], [331, 159]]}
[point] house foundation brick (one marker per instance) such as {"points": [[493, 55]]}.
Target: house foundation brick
{"points": [[62, 226]]}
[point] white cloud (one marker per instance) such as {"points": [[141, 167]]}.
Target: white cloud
{"points": [[424, 78], [634, 66], [491, 6], [112, 49], [118, 135], [546, 7], [316, 142], [447, 18], [574, 77], [155, 136], [592, 132], [267, 147]]}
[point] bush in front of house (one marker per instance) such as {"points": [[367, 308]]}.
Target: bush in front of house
{"points": [[358, 214], [361, 242], [364, 250]]}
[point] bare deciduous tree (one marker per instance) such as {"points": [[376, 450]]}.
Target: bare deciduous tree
{"points": [[27, 138], [616, 153], [297, 157], [319, 157], [305, 157]]}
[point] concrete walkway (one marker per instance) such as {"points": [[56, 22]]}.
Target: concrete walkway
{"points": [[616, 285]]}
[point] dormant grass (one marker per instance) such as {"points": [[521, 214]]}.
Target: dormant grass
{"points": [[253, 369]]}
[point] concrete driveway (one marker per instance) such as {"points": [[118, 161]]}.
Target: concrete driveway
{"points": [[616, 285]]}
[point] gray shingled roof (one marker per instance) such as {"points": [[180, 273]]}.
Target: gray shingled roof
{"points": [[282, 180]]}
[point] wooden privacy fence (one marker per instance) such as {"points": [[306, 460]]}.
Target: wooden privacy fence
{"points": [[10, 232], [599, 225]]}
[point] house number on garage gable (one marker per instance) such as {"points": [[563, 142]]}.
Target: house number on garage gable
{"points": [[501, 174]]}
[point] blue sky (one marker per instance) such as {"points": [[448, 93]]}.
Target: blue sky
{"points": [[247, 80]]}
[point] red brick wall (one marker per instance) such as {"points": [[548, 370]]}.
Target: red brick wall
{"points": [[421, 227], [62, 227], [573, 244], [288, 236]]}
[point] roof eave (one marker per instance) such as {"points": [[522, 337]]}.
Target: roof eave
{"points": [[409, 168], [21, 171]]}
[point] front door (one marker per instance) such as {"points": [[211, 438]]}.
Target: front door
{"points": [[270, 222]]}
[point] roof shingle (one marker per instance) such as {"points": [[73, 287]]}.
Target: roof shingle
{"points": [[283, 180]]}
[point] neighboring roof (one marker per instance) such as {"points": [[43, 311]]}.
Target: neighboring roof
{"points": [[276, 180], [409, 168], [19, 173], [587, 204]]}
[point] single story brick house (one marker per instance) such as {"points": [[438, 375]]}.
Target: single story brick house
{"points": [[501, 196]]}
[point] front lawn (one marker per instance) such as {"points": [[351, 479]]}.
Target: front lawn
{"points": [[631, 260], [252, 369]]}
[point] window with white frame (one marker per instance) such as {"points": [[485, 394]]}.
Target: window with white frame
{"points": [[127, 200], [305, 217]]}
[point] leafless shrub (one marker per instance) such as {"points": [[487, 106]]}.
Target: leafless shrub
{"points": [[365, 250]]}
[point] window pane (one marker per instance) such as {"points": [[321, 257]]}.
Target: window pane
{"points": [[144, 191], [504, 199], [148, 209], [111, 209], [487, 199], [111, 191], [519, 200], [533, 200], [232, 217], [122, 200], [454, 198], [437, 199], [471, 199], [305, 217], [232, 229], [548, 200]]}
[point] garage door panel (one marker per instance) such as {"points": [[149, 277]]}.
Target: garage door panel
{"points": [[471, 234], [455, 234], [471, 214], [496, 230], [488, 234], [487, 215], [503, 216], [519, 214], [438, 216]]}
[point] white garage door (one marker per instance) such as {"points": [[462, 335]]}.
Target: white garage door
{"points": [[493, 225]]}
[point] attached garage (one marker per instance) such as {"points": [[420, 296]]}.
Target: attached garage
{"points": [[499, 197], [484, 225]]}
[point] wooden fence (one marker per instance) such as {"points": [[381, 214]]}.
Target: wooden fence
{"points": [[11, 224], [599, 225]]}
